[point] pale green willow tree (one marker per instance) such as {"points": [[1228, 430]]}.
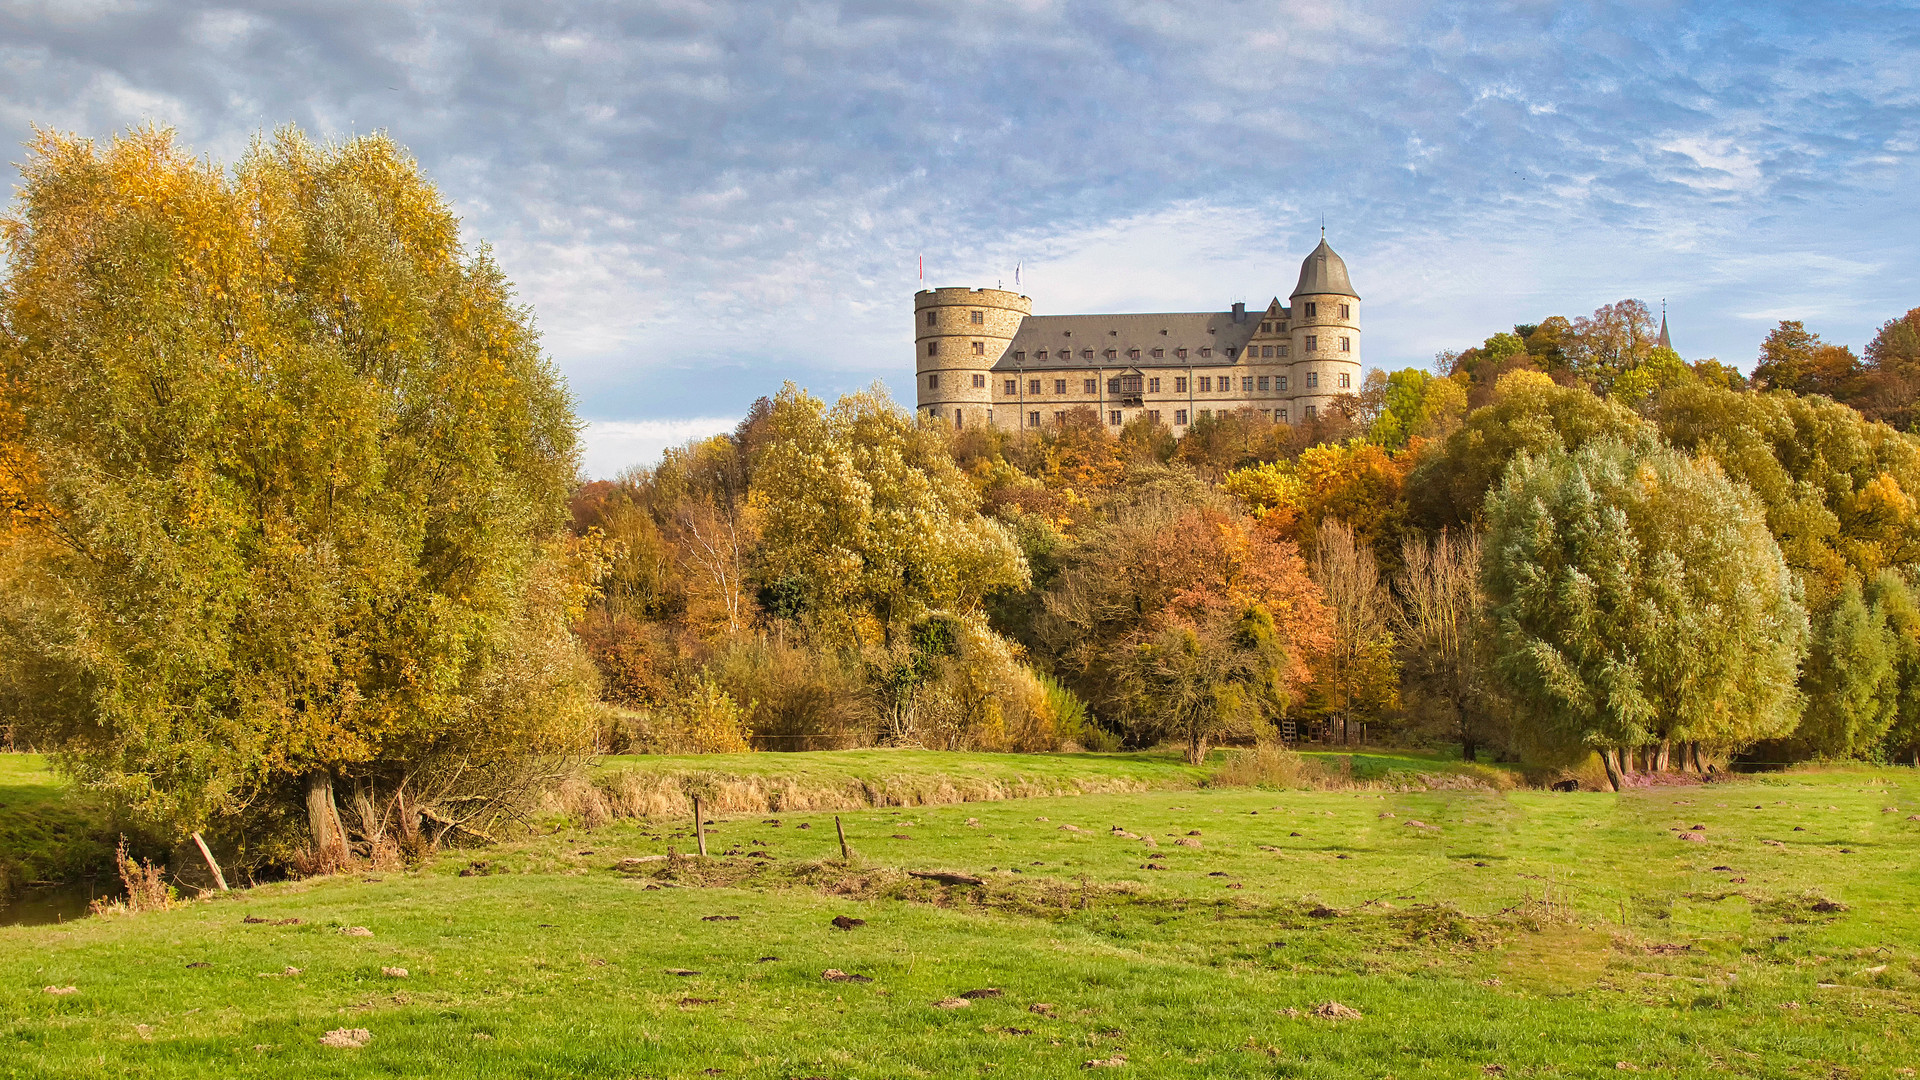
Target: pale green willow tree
{"points": [[1852, 682], [303, 470], [1638, 600]]}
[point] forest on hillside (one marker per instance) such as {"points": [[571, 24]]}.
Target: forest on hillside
{"points": [[294, 551], [1562, 540]]}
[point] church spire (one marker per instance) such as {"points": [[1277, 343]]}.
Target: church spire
{"points": [[1665, 341]]}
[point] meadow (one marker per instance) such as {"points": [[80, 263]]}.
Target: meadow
{"points": [[1763, 926]]}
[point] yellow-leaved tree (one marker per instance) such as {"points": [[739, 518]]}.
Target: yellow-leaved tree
{"points": [[301, 470]]}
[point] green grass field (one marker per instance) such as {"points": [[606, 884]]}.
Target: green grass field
{"points": [[48, 832], [1525, 933]]}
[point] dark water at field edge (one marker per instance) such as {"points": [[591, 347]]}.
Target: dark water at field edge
{"points": [[45, 904]]}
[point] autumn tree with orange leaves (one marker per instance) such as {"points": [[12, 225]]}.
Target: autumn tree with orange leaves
{"points": [[1178, 618]]}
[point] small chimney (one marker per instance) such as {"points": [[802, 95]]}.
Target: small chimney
{"points": [[1239, 313]]}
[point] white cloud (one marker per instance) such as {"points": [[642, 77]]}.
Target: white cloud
{"points": [[611, 446]]}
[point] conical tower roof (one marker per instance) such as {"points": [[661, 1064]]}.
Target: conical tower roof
{"points": [[1324, 271]]}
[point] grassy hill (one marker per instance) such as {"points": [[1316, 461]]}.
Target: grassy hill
{"points": [[1475, 933]]}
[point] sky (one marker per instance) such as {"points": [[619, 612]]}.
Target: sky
{"points": [[702, 201]]}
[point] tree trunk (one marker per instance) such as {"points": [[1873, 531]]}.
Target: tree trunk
{"points": [[1610, 758], [1197, 750], [1468, 751], [323, 816], [1661, 756]]}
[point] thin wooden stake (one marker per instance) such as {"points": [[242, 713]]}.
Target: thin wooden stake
{"points": [[699, 831], [206, 853], [845, 855]]}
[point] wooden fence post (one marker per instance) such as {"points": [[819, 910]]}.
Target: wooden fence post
{"points": [[699, 830], [219, 878], [845, 855]]}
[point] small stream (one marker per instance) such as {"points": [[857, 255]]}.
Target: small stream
{"points": [[39, 906]]}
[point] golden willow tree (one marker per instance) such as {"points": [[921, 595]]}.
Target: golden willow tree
{"points": [[292, 468]]}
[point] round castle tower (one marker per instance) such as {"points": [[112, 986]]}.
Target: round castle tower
{"points": [[1326, 331], [958, 335]]}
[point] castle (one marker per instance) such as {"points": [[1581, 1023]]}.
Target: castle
{"points": [[982, 357]]}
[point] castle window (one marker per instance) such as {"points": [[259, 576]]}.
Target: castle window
{"points": [[1206, 352], [1019, 356], [1153, 386], [1181, 353], [1013, 387], [929, 318], [979, 382], [1033, 418], [1206, 414], [1266, 352], [1180, 386], [1114, 418], [1346, 344], [1158, 353], [1313, 380], [1346, 381], [1312, 414], [1033, 386], [1113, 385], [1346, 312], [978, 317], [1263, 384], [959, 419], [1246, 384], [1266, 328], [1313, 310], [1313, 342], [1280, 351], [1279, 416], [1129, 384], [1283, 384], [1180, 417], [1153, 416], [1089, 386], [1059, 386], [979, 348], [933, 382], [1206, 384], [1059, 415], [933, 348]]}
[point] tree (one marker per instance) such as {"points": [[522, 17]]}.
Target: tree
{"points": [[1356, 672], [1439, 623], [1892, 596], [1839, 491], [1853, 685], [867, 526], [1661, 370], [1638, 600], [1416, 405], [1614, 339], [1792, 358], [1175, 569], [307, 470], [1528, 414]]}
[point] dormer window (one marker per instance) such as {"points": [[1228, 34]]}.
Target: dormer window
{"points": [[1158, 353]]}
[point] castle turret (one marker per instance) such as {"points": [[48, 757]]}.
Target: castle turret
{"points": [[958, 336], [1326, 331]]}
